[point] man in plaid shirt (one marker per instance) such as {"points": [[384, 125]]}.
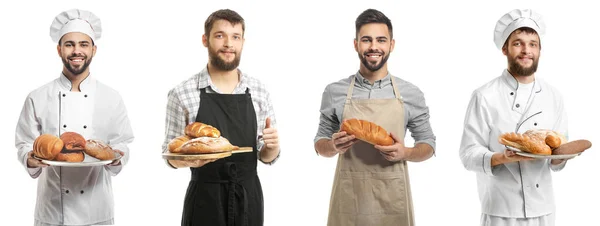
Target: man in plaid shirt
{"points": [[224, 190]]}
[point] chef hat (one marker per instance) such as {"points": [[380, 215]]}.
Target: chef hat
{"points": [[514, 20], [75, 20]]}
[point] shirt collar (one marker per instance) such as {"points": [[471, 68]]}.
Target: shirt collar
{"points": [[65, 83], [362, 81], [514, 84], [205, 81]]}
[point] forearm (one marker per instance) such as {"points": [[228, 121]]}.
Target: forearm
{"points": [[178, 164], [420, 152], [268, 154], [325, 148]]}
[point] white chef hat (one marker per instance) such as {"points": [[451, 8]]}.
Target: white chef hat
{"points": [[514, 20], [75, 20]]}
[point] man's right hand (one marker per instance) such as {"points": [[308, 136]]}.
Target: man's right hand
{"points": [[34, 163], [341, 142], [507, 157], [191, 163]]}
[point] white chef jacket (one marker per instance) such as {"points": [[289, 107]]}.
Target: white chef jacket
{"points": [[517, 189], [74, 195]]}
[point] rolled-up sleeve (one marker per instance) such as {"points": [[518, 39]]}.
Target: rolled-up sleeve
{"points": [[175, 121], [474, 152], [27, 130], [120, 136], [328, 120], [419, 125]]}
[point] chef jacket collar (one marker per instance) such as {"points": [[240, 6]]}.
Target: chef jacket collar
{"points": [[65, 83], [514, 84], [205, 81], [362, 81]]}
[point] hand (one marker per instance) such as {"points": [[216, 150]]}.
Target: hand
{"points": [[513, 157], [342, 142], [34, 163], [270, 136], [191, 163], [117, 162], [394, 152]]}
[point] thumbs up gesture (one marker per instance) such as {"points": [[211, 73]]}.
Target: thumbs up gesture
{"points": [[270, 136]]}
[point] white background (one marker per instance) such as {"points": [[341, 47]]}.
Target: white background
{"points": [[297, 48]]}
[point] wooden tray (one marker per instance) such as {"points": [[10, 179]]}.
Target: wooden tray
{"points": [[191, 157]]}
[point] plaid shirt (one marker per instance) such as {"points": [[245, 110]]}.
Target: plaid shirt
{"points": [[184, 100]]}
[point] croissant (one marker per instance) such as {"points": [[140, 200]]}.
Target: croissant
{"points": [[198, 129], [206, 145], [540, 142], [367, 131], [47, 146], [177, 142]]}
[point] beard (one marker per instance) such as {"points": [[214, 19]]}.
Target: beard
{"points": [[81, 69], [516, 68], [373, 67], [221, 64]]}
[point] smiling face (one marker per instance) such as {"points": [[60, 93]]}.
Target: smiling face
{"points": [[225, 43], [373, 45], [76, 51], [522, 51]]}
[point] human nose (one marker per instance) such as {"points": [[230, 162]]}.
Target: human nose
{"points": [[227, 42]]}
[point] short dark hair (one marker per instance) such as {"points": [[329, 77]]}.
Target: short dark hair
{"points": [[223, 14], [526, 30], [373, 16]]}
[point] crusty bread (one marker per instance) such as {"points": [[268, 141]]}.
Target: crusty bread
{"points": [[73, 141], [572, 147], [75, 156], [540, 141], [47, 146], [206, 145], [367, 131], [198, 129], [176, 143], [99, 150]]}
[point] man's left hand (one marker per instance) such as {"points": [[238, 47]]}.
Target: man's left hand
{"points": [[117, 162], [394, 152]]}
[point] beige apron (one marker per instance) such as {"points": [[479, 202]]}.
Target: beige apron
{"points": [[368, 189]]}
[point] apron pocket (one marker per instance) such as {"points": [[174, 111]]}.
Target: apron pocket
{"points": [[389, 194]]}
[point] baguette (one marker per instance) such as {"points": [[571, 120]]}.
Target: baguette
{"points": [[47, 146], [198, 129], [367, 131], [572, 147]]}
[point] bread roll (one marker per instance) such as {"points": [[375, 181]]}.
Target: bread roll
{"points": [[73, 141], [206, 145], [99, 150], [198, 129], [75, 156], [367, 131], [177, 142], [47, 146]]}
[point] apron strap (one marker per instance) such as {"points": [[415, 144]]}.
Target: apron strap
{"points": [[396, 92], [349, 94]]}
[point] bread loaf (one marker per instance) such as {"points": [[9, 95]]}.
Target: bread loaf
{"points": [[177, 142], [538, 141], [367, 131], [206, 145], [73, 141], [99, 150], [572, 147], [198, 129], [47, 146], [75, 156]]}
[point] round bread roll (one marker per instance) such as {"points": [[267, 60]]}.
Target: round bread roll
{"points": [[99, 150], [177, 142], [75, 156], [207, 145], [47, 146], [73, 141]]}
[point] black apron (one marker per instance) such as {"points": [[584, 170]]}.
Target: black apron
{"points": [[226, 192]]}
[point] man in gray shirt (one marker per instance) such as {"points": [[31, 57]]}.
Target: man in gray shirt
{"points": [[371, 185]]}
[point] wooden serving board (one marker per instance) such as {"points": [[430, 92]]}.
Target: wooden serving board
{"points": [[191, 157], [242, 150]]}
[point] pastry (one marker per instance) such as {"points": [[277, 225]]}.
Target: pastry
{"points": [[99, 150], [367, 131], [73, 141], [198, 129], [540, 142], [70, 156], [47, 146], [207, 145], [177, 142]]}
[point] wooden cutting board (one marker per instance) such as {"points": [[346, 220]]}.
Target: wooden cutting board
{"points": [[191, 157]]}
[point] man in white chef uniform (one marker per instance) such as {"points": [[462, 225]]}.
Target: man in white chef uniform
{"points": [[76, 102], [513, 190]]}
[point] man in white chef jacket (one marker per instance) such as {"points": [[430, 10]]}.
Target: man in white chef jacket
{"points": [[77, 102], [513, 190]]}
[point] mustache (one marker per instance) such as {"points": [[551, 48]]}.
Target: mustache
{"points": [[77, 55]]}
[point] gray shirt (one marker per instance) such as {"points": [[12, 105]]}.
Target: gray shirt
{"points": [[416, 112]]}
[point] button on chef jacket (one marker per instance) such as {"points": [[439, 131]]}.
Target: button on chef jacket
{"points": [[514, 190], [74, 195]]}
